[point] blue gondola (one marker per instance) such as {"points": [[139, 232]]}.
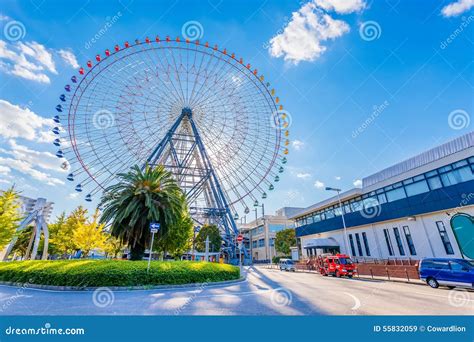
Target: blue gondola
{"points": [[56, 130], [70, 177], [59, 108], [89, 198], [271, 187], [79, 188], [62, 97], [247, 210], [60, 154], [277, 178], [67, 87], [74, 79], [264, 195], [281, 169], [56, 119], [284, 160], [57, 142]]}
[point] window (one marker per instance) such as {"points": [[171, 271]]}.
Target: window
{"points": [[455, 266], [351, 240], [261, 243], [417, 188], [411, 245], [444, 237], [329, 213], [254, 244], [395, 194], [359, 246], [399, 241], [366, 243], [463, 174], [435, 183], [272, 242], [356, 205], [388, 241], [381, 198]]}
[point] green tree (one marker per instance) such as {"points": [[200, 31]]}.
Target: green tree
{"points": [[139, 198], [113, 246], [285, 239], [9, 216], [215, 239], [178, 240], [89, 235]]}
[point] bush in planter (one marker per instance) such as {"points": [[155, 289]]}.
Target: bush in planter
{"points": [[96, 273]]}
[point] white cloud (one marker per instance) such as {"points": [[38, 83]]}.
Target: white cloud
{"points": [[297, 144], [357, 183], [44, 160], [74, 195], [303, 175], [310, 28], [4, 170], [31, 60], [341, 6], [457, 8], [318, 184], [69, 57], [18, 122], [26, 168], [337, 178]]}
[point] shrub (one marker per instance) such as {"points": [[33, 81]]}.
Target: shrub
{"points": [[95, 273]]}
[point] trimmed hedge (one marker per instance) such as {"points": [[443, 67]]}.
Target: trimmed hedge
{"points": [[96, 273]]}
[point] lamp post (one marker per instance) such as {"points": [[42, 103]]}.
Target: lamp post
{"points": [[338, 191], [267, 235]]}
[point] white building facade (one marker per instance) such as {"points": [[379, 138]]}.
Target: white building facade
{"points": [[401, 212]]}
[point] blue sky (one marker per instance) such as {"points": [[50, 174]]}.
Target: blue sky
{"points": [[367, 83]]}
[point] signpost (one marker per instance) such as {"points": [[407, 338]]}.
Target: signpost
{"points": [[240, 239], [154, 228]]}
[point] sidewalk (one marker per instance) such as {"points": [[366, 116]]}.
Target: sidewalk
{"points": [[361, 277]]}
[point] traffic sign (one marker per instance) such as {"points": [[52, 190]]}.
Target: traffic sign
{"points": [[154, 227], [240, 238]]}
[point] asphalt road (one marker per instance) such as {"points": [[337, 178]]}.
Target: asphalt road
{"points": [[265, 292]]}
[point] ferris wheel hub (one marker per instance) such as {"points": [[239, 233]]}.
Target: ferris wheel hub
{"points": [[187, 112]]}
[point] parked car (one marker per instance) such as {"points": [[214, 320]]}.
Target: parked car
{"points": [[448, 272], [287, 265], [339, 265]]}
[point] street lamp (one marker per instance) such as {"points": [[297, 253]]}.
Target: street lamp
{"points": [[338, 191]]}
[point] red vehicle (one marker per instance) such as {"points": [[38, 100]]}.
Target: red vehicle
{"points": [[339, 265]]}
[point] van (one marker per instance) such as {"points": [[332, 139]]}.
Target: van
{"points": [[287, 265], [448, 272]]}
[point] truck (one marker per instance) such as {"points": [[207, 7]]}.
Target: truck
{"points": [[338, 265]]}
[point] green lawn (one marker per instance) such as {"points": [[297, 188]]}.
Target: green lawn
{"points": [[95, 273]]}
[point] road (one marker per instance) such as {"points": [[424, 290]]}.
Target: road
{"points": [[265, 292]]}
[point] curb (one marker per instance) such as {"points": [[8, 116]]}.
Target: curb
{"points": [[122, 288]]}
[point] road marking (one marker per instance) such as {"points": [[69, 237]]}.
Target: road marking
{"points": [[356, 300]]}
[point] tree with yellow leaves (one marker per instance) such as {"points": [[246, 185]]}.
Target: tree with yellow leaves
{"points": [[89, 235], [9, 216]]}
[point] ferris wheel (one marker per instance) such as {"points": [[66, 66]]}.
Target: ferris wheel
{"points": [[201, 111]]}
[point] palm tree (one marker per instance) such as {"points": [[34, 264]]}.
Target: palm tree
{"points": [[139, 198]]}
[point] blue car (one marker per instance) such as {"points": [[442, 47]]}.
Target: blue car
{"points": [[448, 272]]}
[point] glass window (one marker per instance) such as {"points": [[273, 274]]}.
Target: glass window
{"points": [[261, 243], [338, 211], [317, 218], [397, 185], [463, 174], [388, 241], [455, 266], [418, 178], [347, 208], [254, 244], [460, 163], [272, 242], [417, 188], [399, 241], [356, 205], [445, 168], [444, 237], [351, 240], [396, 194], [408, 181], [359, 246], [366, 243], [382, 198], [411, 245], [432, 173], [471, 160], [435, 183], [329, 213]]}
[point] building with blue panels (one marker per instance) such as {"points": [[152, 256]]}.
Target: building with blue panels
{"points": [[401, 212]]}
